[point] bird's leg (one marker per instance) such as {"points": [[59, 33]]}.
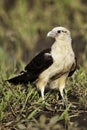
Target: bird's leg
{"points": [[62, 94], [41, 88], [41, 83], [42, 93]]}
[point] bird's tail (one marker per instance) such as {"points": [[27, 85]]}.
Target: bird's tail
{"points": [[22, 78]]}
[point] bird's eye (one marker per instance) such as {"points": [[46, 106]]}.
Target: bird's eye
{"points": [[59, 31]]}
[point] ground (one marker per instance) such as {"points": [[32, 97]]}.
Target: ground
{"points": [[23, 29], [21, 106]]}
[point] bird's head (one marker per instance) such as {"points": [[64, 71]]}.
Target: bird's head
{"points": [[59, 33]]}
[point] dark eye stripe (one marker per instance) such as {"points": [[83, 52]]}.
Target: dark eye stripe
{"points": [[59, 31], [63, 31]]}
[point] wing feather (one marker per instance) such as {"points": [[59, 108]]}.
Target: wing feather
{"points": [[73, 68], [38, 64]]}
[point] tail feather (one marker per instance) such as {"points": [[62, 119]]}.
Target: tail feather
{"points": [[20, 79], [23, 78]]}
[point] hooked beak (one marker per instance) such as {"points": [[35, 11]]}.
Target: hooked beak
{"points": [[51, 34]]}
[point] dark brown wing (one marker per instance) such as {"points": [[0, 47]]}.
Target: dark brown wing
{"points": [[73, 68], [38, 64]]}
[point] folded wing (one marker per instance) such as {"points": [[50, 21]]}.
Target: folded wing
{"points": [[73, 68], [38, 64]]}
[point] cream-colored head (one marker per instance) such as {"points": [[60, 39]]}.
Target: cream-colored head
{"points": [[59, 33]]}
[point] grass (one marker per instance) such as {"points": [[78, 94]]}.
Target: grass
{"points": [[21, 106]]}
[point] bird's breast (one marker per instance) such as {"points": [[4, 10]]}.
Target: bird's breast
{"points": [[62, 63]]}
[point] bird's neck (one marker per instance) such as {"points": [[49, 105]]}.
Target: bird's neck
{"points": [[61, 48], [62, 44]]}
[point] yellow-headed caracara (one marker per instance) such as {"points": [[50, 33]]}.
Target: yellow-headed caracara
{"points": [[51, 66]]}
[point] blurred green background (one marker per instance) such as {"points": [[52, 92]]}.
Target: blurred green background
{"points": [[25, 23]]}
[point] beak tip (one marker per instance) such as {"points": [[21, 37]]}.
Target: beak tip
{"points": [[48, 35], [51, 34]]}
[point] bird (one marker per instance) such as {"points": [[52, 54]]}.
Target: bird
{"points": [[52, 66]]}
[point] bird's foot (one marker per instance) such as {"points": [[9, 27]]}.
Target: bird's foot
{"points": [[63, 103]]}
